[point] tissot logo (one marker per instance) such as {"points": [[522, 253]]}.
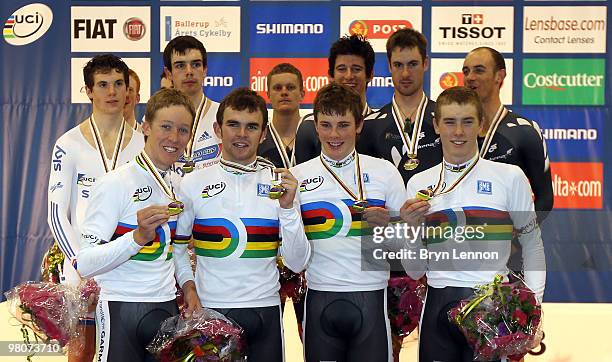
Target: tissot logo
{"points": [[134, 29], [27, 24], [213, 190], [142, 194], [311, 184], [378, 29], [472, 18], [289, 28], [473, 32]]}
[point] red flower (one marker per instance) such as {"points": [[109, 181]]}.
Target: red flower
{"points": [[520, 317]]}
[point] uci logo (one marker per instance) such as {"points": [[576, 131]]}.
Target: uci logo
{"points": [[85, 181], [142, 194], [213, 190], [311, 184]]}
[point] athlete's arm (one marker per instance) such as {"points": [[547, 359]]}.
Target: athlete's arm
{"points": [[306, 141], [61, 181], [537, 169], [529, 235]]}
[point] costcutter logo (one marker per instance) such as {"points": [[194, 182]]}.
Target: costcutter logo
{"points": [[451, 79], [27, 24], [377, 29], [577, 185]]}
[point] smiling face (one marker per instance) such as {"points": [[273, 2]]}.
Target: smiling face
{"points": [[407, 70], [241, 132], [350, 70], [108, 92], [480, 75], [167, 135], [458, 128], [337, 134]]}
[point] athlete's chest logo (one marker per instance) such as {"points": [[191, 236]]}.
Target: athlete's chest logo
{"points": [[484, 187], [142, 194]]}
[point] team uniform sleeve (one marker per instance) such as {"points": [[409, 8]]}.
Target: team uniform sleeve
{"points": [[61, 180], [306, 141], [98, 254], [182, 265], [295, 247], [367, 139], [537, 168], [525, 223]]}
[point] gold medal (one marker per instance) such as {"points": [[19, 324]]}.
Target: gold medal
{"points": [[425, 195], [359, 206], [411, 142], [412, 163], [359, 199], [175, 208], [276, 190], [188, 166]]}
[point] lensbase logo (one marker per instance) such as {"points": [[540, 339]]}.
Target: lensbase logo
{"points": [[564, 81], [377, 29], [27, 24], [451, 79]]}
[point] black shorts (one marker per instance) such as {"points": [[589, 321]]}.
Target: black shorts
{"points": [[263, 331], [124, 329], [347, 326], [440, 339]]}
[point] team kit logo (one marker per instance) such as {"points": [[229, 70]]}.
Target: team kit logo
{"points": [[311, 184], [212, 190], [27, 24], [142, 194]]}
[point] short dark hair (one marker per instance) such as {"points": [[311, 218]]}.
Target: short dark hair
{"points": [[243, 98], [167, 97], [498, 58], [461, 96], [407, 38], [181, 44], [352, 45], [133, 74], [104, 63], [338, 99], [286, 68]]}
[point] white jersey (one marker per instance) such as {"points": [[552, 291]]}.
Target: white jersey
{"points": [[75, 167], [206, 149], [495, 197], [334, 229], [124, 270], [236, 230]]}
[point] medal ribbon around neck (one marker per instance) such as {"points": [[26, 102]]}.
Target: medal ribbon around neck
{"points": [[202, 111], [235, 167], [280, 147], [146, 162], [398, 116], [468, 169], [360, 186], [100, 145], [499, 115]]}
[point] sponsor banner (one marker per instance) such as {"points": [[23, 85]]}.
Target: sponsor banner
{"points": [[314, 73], [571, 135], [564, 81], [564, 29], [217, 27], [461, 29], [577, 185], [27, 24], [380, 88], [377, 23], [223, 75], [446, 73], [142, 67], [308, 29], [110, 29]]}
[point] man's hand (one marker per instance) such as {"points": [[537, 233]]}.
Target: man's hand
{"points": [[376, 216], [413, 211], [148, 220], [192, 301], [289, 182]]}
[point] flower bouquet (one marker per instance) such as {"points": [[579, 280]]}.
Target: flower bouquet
{"points": [[52, 263], [50, 310], [293, 285], [404, 304], [501, 320], [206, 336]]}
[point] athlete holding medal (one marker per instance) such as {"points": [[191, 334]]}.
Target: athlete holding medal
{"points": [[126, 241]]}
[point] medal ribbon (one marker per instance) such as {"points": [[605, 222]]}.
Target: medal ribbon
{"points": [[202, 111], [398, 117], [499, 115], [360, 186], [280, 147], [100, 145], [469, 168], [148, 165], [238, 168]]}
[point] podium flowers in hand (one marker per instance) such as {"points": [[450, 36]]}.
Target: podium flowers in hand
{"points": [[404, 303]]}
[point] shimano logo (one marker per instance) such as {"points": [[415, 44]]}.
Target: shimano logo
{"points": [[289, 28], [570, 134], [381, 82]]}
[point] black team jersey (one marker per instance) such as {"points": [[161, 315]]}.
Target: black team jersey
{"points": [[269, 150]]}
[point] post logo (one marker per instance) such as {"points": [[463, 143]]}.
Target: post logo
{"points": [[577, 185], [451, 79], [27, 24], [377, 29], [134, 29], [564, 81]]}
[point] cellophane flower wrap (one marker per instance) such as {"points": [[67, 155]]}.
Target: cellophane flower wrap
{"points": [[52, 264], [292, 285], [501, 320], [404, 304], [205, 336], [51, 310]]}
